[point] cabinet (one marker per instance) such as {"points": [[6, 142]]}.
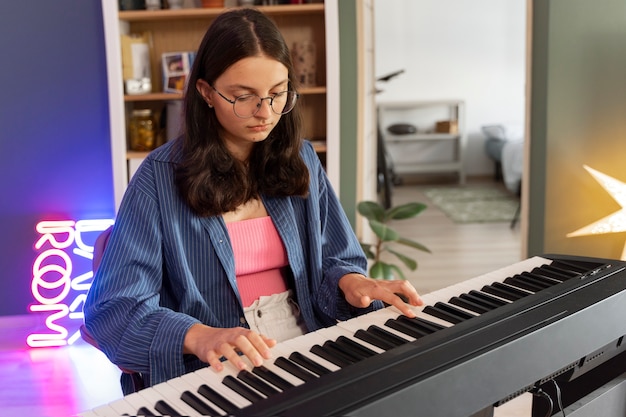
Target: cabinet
{"points": [[182, 30], [438, 143]]}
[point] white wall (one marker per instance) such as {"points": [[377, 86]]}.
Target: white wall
{"points": [[456, 49]]}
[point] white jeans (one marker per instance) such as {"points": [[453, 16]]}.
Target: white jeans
{"points": [[276, 316]]}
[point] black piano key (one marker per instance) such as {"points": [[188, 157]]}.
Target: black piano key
{"points": [[571, 268], [542, 278], [557, 272], [272, 377], [486, 299], [550, 274], [355, 356], [309, 364], [143, 411], [197, 404], [294, 369], [166, 410], [257, 383], [521, 293], [406, 328], [217, 399], [241, 389], [543, 282], [364, 351], [384, 334], [443, 314], [504, 291], [334, 357], [469, 305], [421, 323], [373, 339], [520, 283], [462, 314]]}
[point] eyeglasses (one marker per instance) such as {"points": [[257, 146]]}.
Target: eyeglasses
{"points": [[248, 105]]}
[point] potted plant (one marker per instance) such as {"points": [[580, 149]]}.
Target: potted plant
{"points": [[379, 218]]}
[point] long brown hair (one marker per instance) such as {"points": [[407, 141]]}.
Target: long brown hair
{"points": [[208, 177]]}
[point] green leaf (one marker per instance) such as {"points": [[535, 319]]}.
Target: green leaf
{"points": [[384, 232], [376, 271], [371, 210], [383, 270], [408, 262], [413, 244], [398, 271], [405, 211]]}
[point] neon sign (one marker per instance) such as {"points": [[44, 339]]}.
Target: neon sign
{"points": [[58, 291]]}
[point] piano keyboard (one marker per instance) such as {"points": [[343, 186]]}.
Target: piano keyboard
{"points": [[309, 357]]}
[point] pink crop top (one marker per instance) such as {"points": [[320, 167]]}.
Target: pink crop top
{"points": [[259, 257]]}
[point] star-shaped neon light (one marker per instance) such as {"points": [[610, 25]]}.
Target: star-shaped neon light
{"points": [[613, 223]]}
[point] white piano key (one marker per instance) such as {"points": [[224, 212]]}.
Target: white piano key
{"points": [[105, 411], [153, 395], [448, 292], [277, 351], [230, 369], [304, 343], [137, 401], [88, 413], [429, 299], [339, 330], [214, 380], [122, 406], [377, 318], [348, 328], [181, 385], [285, 351], [196, 380], [171, 395], [468, 311]]}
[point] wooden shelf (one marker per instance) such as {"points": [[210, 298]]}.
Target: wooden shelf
{"points": [[136, 155], [198, 13], [173, 96], [318, 144], [446, 150], [421, 136], [153, 97], [183, 30]]}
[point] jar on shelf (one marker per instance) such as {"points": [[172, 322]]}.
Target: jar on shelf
{"points": [[142, 130]]}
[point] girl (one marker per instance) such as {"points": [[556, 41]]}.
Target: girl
{"points": [[230, 238]]}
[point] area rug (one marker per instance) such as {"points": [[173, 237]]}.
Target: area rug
{"points": [[474, 204]]}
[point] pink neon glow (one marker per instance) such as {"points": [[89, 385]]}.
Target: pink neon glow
{"points": [[59, 295]]}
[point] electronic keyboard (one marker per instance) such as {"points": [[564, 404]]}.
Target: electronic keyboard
{"points": [[473, 345]]}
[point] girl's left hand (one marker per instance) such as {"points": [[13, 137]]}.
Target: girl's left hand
{"points": [[360, 291]]}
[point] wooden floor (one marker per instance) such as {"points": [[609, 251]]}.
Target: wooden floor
{"points": [[63, 381], [458, 251]]}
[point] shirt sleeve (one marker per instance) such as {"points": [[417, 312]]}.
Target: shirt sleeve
{"points": [[122, 309], [341, 251]]}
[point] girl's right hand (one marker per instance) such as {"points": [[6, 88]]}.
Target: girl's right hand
{"points": [[211, 344]]}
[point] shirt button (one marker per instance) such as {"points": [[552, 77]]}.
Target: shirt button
{"points": [[259, 313], [242, 320]]}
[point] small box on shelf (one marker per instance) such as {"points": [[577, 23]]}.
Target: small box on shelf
{"points": [[447, 126]]}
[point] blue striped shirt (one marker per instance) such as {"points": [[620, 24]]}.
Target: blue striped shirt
{"points": [[165, 268]]}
